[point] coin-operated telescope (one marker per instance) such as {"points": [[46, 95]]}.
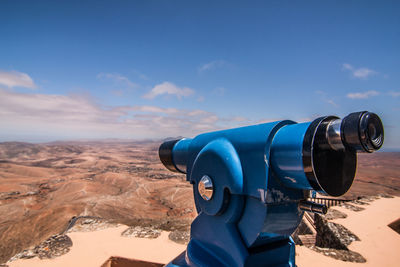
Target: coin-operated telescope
{"points": [[251, 184]]}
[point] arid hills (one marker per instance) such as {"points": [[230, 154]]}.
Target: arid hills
{"points": [[42, 186], [377, 173]]}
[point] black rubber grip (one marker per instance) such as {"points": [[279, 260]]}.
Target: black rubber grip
{"points": [[165, 154], [350, 131]]}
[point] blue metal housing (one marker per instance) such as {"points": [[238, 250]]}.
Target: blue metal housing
{"points": [[259, 176], [258, 179]]}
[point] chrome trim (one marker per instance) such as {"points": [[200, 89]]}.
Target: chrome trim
{"points": [[333, 135], [206, 188]]}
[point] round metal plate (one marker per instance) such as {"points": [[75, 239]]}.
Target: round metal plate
{"points": [[206, 188]]}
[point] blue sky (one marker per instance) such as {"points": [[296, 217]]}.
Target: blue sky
{"points": [[151, 69]]}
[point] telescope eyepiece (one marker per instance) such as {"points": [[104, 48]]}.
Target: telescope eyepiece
{"points": [[362, 131], [330, 145]]}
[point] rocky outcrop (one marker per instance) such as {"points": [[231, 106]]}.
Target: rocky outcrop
{"points": [[351, 207], [335, 214], [330, 239], [55, 246], [88, 224], [332, 235], [333, 239], [343, 255], [180, 237], [142, 232]]}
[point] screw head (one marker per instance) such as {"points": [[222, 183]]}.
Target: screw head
{"points": [[206, 187]]}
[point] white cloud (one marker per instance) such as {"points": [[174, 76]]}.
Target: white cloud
{"points": [[362, 95], [16, 79], [325, 98], [198, 112], [239, 119], [117, 79], [73, 117], [331, 102], [212, 65], [360, 73], [267, 120], [167, 88], [394, 93], [154, 109]]}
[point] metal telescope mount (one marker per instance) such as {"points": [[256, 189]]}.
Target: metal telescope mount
{"points": [[251, 184]]}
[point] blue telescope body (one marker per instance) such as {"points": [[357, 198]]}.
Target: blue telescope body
{"points": [[251, 184]]}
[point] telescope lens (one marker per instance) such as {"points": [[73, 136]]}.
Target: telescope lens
{"points": [[371, 132]]}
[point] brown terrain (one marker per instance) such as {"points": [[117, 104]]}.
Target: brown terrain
{"points": [[377, 173], [44, 185]]}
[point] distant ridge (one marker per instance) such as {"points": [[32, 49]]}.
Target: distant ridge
{"points": [[172, 138]]}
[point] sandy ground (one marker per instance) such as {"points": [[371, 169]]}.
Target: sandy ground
{"points": [[379, 244], [94, 248]]}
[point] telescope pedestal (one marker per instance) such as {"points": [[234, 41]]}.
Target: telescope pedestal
{"points": [[216, 244]]}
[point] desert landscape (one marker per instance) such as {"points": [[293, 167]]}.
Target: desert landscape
{"points": [[43, 186], [51, 189]]}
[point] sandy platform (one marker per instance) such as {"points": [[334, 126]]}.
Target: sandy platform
{"points": [[94, 248], [379, 244]]}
